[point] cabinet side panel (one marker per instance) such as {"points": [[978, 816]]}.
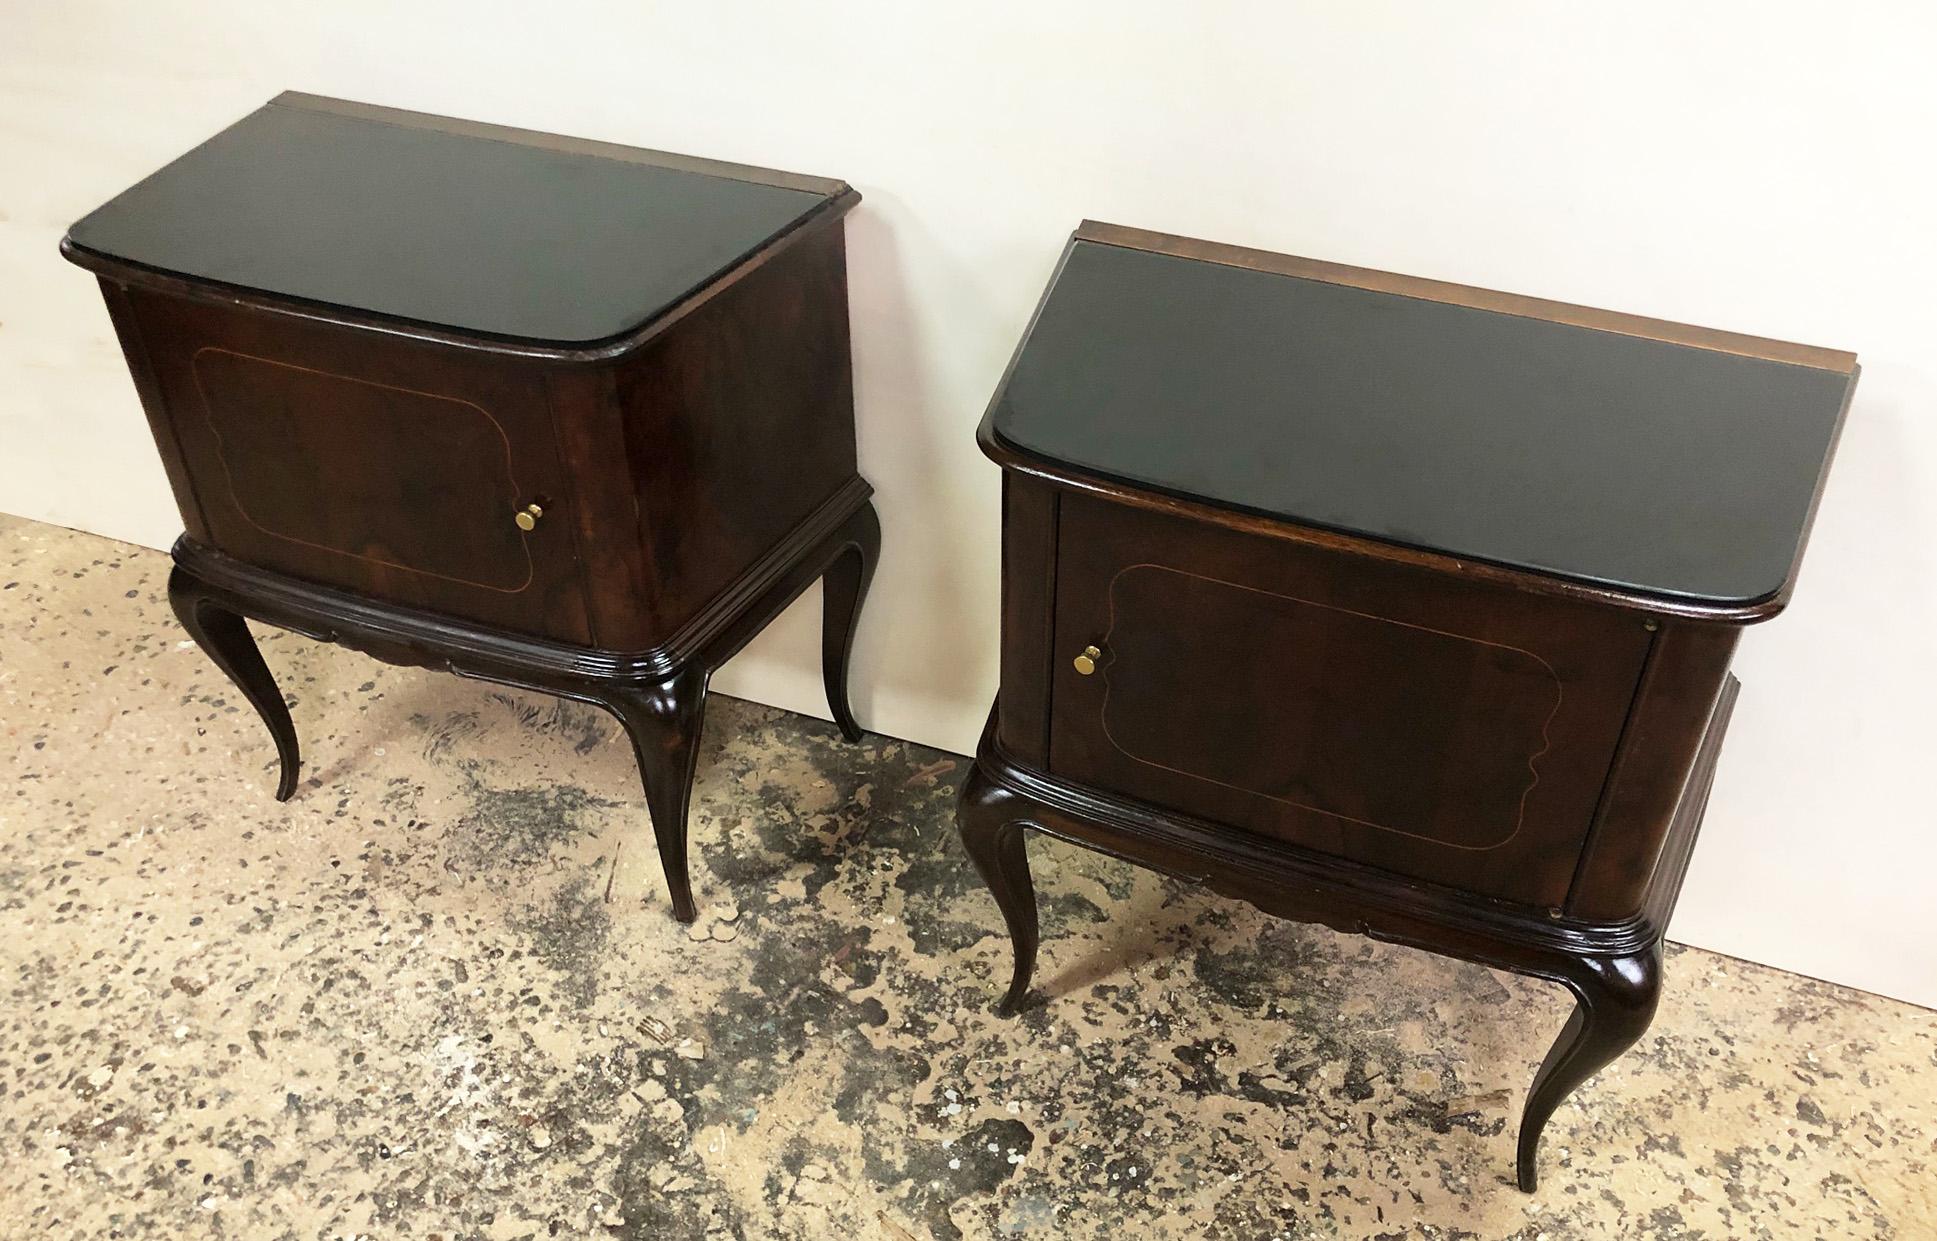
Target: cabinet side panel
{"points": [[1028, 615], [1686, 670], [739, 422], [127, 327]]}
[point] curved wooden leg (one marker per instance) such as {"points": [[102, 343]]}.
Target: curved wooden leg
{"points": [[843, 587], [991, 821], [224, 637], [663, 721], [1615, 1001]]}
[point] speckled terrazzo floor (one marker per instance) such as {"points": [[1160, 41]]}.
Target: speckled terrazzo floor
{"points": [[439, 995]]}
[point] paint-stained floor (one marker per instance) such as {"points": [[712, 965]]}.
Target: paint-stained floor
{"points": [[440, 995]]}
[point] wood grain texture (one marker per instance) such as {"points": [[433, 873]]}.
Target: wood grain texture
{"points": [[1440, 729], [830, 186], [1674, 706], [671, 478], [1029, 537], [736, 426], [389, 466], [589, 424], [134, 348], [1836, 360]]}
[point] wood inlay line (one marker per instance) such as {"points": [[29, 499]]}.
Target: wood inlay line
{"points": [[208, 414]]}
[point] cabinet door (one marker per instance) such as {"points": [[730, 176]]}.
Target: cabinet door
{"points": [[1447, 730], [362, 460]]}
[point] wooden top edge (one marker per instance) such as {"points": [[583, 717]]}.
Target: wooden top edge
{"points": [[1274, 263], [829, 187]]}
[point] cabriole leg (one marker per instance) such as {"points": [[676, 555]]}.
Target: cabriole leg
{"points": [[663, 721], [843, 588], [224, 637], [1615, 1001], [991, 821]]}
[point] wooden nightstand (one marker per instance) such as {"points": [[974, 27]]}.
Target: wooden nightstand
{"points": [[547, 412], [1390, 604]]}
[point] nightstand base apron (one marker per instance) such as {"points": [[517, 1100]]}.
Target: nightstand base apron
{"points": [[658, 695]]}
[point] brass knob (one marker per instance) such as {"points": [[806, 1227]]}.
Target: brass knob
{"points": [[1086, 662], [527, 517]]}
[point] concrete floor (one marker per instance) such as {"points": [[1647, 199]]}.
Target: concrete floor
{"points": [[440, 995]]}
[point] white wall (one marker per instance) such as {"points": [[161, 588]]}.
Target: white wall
{"points": [[1760, 167]]}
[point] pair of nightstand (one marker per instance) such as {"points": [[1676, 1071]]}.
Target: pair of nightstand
{"points": [[1396, 605]]}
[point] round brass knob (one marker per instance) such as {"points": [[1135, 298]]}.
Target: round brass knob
{"points": [[1086, 662], [527, 517]]}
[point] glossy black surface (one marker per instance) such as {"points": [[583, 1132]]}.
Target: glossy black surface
{"points": [[471, 233], [1578, 453]]}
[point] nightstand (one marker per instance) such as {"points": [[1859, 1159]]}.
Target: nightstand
{"points": [[547, 412], [1390, 604]]}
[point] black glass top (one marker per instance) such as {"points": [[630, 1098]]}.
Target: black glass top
{"points": [[460, 226], [1595, 455]]}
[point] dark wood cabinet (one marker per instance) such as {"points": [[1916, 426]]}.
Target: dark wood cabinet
{"points": [[1394, 605], [551, 412]]}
